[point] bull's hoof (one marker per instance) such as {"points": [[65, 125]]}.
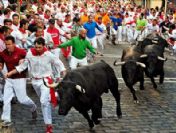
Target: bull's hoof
{"points": [[113, 43], [141, 88], [97, 122], [91, 125], [161, 81], [155, 86], [136, 101], [119, 116]]}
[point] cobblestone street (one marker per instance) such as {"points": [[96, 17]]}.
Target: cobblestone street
{"points": [[155, 112]]}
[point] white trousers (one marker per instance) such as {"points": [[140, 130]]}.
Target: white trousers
{"points": [[15, 87], [4, 71], [74, 62], [130, 34], [100, 40], [44, 93], [140, 35], [93, 41], [119, 33], [1, 90]]}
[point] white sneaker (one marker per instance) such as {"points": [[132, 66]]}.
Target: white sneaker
{"points": [[6, 124]]}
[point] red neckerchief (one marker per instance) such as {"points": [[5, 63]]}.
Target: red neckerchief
{"points": [[66, 21], [99, 23], [22, 30], [2, 37], [46, 16], [33, 22], [34, 52], [40, 12], [52, 93], [43, 33], [15, 24]]}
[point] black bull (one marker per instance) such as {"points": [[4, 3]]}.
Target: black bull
{"points": [[82, 89]]}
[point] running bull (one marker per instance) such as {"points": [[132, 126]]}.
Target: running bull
{"points": [[132, 68], [153, 58], [82, 89]]}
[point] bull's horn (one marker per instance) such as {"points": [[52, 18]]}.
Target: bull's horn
{"points": [[53, 85], [155, 42], [143, 56], [119, 63], [161, 58], [141, 64], [79, 88]]}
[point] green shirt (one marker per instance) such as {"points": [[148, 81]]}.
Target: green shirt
{"points": [[141, 23], [79, 47]]}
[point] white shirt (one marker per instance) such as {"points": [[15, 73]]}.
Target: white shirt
{"points": [[62, 32], [21, 37], [102, 26], [153, 28], [173, 35], [128, 20], [2, 20], [6, 3], [2, 45], [60, 15], [30, 40], [14, 27], [41, 66]]}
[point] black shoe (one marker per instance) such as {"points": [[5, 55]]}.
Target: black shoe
{"points": [[1, 104], [34, 115], [14, 100]]}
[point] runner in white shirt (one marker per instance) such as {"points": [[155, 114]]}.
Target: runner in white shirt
{"points": [[15, 21], [127, 29], [39, 62], [153, 27], [61, 14], [22, 33], [99, 35]]}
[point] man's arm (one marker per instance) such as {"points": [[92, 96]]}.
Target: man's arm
{"points": [[89, 46], [66, 44], [1, 66], [58, 65], [1, 63], [98, 27], [9, 74], [18, 69]]}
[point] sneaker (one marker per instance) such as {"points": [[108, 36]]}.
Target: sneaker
{"points": [[172, 54], [99, 53], [49, 129], [34, 115], [6, 124], [14, 100]]}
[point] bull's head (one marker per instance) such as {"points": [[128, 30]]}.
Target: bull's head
{"points": [[130, 69], [151, 61], [68, 92]]}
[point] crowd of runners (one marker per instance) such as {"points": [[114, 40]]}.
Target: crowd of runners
{"points": [[42, 30]]}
